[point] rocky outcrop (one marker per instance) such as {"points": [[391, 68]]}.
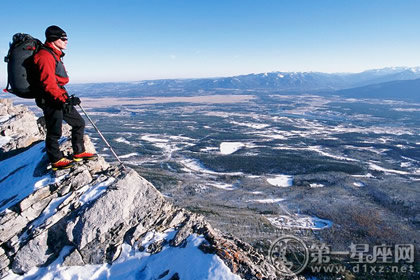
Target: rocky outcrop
{"points": [[19, 126], [94, 209]]}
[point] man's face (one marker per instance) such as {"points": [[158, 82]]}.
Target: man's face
{"points": [[61, 43]]}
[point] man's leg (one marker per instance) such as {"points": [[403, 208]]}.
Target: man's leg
{"points": [[77, 123], [53, 121]]}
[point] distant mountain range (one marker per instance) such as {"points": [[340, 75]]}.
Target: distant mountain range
{"points": [[406, 89], [281, 82]]}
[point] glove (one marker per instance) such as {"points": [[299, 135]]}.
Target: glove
{"points": [[62, 98], [74, 100]]}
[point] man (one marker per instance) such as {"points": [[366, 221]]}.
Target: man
{"points": [[55, 101]]}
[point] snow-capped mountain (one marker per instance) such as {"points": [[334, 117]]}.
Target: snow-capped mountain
{"points": [[269, 82]]}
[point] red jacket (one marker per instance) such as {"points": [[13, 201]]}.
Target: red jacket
{"points": [[51, 82]]}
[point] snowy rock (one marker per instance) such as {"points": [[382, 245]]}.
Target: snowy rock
{"points": [[35, 253], [107, 217], [74, 258], [20, 126], [4, 260], [11, 226]]}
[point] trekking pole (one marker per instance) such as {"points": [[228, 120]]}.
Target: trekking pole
{"points": [[103, 138]]}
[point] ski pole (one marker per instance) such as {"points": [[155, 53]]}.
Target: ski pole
{"points": [[103, 138]]}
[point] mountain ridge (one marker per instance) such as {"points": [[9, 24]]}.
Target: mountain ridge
{"points": [[270, 82], [400, 89]]}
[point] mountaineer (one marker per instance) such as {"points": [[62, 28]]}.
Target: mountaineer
{"points": [[56, 103]]}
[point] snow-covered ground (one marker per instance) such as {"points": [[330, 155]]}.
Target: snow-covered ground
{"points": [[4, 140], [267, 200], [168, 143], [324, 152], [122, 140], [193, 165], [281, 180], [18, 181], [358, 184], [4, 118], [251, 125], [315, 185], [227, 148], [129, 155], [188, 262], [223, 186], [374, 166], [298, 222], [90, 193], [17, 175]]}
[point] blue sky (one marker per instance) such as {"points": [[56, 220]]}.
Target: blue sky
{"points": [[129, 40]]}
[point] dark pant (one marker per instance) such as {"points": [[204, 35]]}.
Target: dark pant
{"points": [[54, 119]]}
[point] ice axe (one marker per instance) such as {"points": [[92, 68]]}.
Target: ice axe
{"points": [[103, 138]]}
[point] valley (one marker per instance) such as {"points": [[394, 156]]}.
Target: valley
{"points": [[346, 170]]}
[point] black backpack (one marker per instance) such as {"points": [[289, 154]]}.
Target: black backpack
{"points": [[22, 75]]}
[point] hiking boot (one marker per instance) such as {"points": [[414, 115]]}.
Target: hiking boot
{"points": [[63, 163], [84, 156]]}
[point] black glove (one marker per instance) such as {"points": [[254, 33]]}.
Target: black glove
{"points": [[74, 100]]}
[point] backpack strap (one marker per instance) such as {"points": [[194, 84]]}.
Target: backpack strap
{"points": [[56, 63], [7, 89], [51, 52], [6, 59]]}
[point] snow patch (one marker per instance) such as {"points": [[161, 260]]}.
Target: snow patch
{"points": [[227, 148], [315, 185], [17, 175], [281, 181], [91, 193], [223, 186], [4, 140], [154, 138], [133, 264], [193, 165], [48, 212], [256, 192], [373, 166], [104, 155], [267, 200], [209, 149], [406, 164], [122, 140], [298, 222], [251, 125], [407, 109], [326, 154], [4, 118], [129, 155]]}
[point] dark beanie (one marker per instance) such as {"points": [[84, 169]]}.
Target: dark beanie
{"points": [[54, 32]]}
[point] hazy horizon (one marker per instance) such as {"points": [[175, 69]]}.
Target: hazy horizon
{"points": [[244, 74]]}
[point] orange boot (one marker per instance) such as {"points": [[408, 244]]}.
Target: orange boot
{"points": [[63, 163], [84, 156]]}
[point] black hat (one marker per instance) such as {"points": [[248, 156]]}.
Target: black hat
{"points": [[54, 32]]}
